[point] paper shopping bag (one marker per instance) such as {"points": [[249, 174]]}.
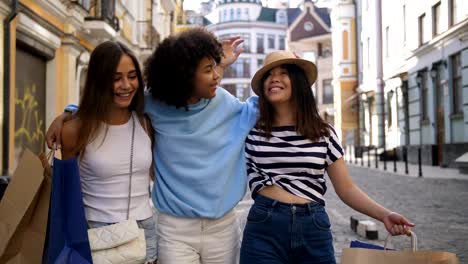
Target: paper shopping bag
{"points": [[24, 212], [372, 256], [379, 256]]}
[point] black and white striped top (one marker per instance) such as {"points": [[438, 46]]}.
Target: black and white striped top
{"points": [[290, 161]]}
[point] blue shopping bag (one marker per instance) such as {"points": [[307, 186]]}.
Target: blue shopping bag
{"points": [[67, 235], [359, 244]]}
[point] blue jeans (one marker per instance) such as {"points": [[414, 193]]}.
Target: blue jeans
{"points": [[149, 226], [286, 233]]}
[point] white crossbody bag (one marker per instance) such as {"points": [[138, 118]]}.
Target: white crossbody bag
{"points": [[122, 242]]}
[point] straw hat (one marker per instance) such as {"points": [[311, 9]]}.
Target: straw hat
{"points": [[277, 58]]}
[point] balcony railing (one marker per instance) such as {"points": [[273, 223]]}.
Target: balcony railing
{"points": [[104, 10]]}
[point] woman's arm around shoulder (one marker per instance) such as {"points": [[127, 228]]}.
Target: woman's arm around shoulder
{"points": [[70, 133]]}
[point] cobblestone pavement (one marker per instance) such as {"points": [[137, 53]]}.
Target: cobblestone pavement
{"points": [[438, 207]]}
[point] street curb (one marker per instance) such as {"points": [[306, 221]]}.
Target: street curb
{"points": [[389, 173], [364, 228]]}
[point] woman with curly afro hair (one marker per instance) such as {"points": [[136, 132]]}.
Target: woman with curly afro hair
{"points": [[171, 71], [199, 147]]}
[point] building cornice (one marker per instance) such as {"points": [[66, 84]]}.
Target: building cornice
{"points": [[458, 31]]}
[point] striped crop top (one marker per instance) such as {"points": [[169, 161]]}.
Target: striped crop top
{"points": [[290, 161]]}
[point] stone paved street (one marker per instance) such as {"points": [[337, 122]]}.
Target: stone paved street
{"points": [[437, 206]]}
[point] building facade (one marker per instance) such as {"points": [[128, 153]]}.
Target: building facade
{"points": [[45, 47], [414, 81]]}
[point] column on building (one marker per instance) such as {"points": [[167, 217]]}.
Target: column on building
{"points": [[344, 71]]}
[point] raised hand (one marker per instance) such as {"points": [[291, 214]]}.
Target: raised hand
{"points": [[231, 51]]}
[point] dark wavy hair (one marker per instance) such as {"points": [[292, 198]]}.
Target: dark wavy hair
{"points": [[98, 94], [309, 123], [169, 72]]}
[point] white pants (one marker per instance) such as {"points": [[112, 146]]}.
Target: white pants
{"points": [[198, 240]]}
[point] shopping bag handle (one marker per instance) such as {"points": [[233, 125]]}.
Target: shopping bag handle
{"points": [[50, 157], [53, 154], [414, 241]]}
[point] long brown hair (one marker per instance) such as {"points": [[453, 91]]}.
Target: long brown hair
{"points": [[98, 94], [309, 123]]}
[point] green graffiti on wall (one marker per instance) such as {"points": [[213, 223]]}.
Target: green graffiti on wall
{"points": [[29, 122]]}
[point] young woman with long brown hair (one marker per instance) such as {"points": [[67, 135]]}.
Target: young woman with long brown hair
{"points": [[109, 135]]}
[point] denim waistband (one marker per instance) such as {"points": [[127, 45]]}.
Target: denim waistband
{"points": [[307, 207]]}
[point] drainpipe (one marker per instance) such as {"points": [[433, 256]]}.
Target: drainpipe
{"points": [[358, 95], [6, 85], [380, 84], [150, 26]]}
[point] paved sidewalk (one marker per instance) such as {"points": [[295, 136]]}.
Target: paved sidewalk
{"points": [[413, 169]]}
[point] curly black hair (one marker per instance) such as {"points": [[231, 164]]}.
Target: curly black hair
{"points": [[170, 71]]}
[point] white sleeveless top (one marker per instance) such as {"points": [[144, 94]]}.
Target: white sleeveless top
{"points": [[104, 172]]}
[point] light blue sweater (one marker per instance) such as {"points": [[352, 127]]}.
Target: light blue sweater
{"points": [[200, 166]]}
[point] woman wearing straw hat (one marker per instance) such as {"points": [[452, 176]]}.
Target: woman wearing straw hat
{"points": [[288, 153]]}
